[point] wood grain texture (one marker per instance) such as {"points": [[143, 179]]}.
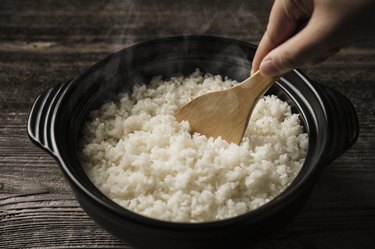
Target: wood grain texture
{"points": [[43, 43]]}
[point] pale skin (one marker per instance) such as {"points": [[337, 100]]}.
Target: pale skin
{"points": [[301, 32]]}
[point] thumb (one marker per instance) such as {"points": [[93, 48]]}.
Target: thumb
{"points": [[312, 42]]}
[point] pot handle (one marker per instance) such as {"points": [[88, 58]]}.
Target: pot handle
{"points": [[342, 122], [42, 117]]}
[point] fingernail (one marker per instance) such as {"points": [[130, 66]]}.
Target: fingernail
{"points": [[268, 68]]}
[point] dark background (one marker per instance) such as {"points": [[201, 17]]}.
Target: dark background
{"points": [[43, 43]]}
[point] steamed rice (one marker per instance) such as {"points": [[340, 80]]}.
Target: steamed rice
{"points": [[138, 155]]}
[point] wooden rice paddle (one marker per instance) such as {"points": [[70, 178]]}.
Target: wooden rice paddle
{"points": [[225, 113]]}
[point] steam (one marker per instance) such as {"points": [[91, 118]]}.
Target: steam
{"points": [[134, 21]]}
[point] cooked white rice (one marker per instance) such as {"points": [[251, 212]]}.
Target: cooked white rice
{"points": [[139, 156]]}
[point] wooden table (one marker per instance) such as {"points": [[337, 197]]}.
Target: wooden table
{"points": [[43, 43]]}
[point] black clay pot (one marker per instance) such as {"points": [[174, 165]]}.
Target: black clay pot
{"points": [[58, 114]]}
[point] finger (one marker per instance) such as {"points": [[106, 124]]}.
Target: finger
{"points": [[324, 57], [311, 42], [286, 18]]}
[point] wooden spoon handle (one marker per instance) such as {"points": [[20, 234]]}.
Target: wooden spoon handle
{"points": [[256, 85]]}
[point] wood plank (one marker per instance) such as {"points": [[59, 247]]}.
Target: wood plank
{"points": [[43, 43]]}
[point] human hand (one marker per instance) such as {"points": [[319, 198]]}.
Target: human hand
{"points": [[303, 32]]}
